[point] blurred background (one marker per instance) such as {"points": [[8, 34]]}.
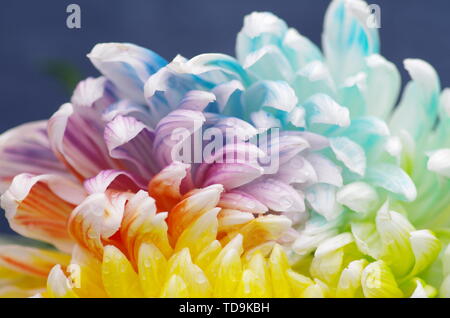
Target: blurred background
{"points": [[41, 59]]}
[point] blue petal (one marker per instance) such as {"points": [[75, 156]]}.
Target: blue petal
{"points": [[347, 39], [418, 110], [392, 179], [128, 66]]}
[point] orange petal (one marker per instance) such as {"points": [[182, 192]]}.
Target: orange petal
{"points": [[195, 204], [30, 261], [165, 186], [94, 222], [141, 224], [39, 207], [262, 229]]}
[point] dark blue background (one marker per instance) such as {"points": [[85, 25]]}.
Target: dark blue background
{"points": [[34, 33]]}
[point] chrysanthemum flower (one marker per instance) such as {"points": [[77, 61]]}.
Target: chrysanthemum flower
{"points": [[113, 179]]}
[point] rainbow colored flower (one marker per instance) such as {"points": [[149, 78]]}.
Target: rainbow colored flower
{"points": [[286, 172]]}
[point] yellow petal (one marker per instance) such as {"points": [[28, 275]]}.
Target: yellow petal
{"points": [[263, 229], [260, 269], [181, 265], [165, 186], [208, 254], [152, 266], [200, 233], [225, 271], [426, 248], [118, 276], [29, 260], [350, 281], [394, 230], [192, 207], [250, 286], [318, 290], [141, 224], [378, 281], [58, 285], [175, 287], [299, 283], [86, 273], [278, 265]]}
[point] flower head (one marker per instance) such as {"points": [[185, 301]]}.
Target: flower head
{"points": [[152, 180]]}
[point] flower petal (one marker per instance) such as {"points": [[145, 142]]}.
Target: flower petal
{"points": [[426, 248], [322, 109], [358, 196], [379, 282], [383, 76], [275, 95], [240, 200], [141, 224], [58, 285], [131, 142], [349, 284], [420, 101], [76, 136], [175, 132], [328, 258], [276, 195], [97, 219], [350, 153], [30, 261], [128, 66], [322, 198], [269, 63], [113, 179], [197, 100], [195, 204], [326, 170], [439, 162], [392, 179], [26, 149], [299, 50], [259, 29], [347, 38], [119, 278], [262, 229], [39, 207], [165, 187], [394, 230]]}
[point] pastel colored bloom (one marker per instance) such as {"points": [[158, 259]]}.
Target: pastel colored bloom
{"points": [[355, 75], [351, 201]]}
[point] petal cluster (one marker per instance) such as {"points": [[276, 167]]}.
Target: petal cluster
{"points": [[288, 171]]}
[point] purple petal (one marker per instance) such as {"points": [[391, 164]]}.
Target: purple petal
{"points": [[131, 142], [276, 195], [240, 200], [76, 131], [26, 149], [174, 131], [113, 179]]}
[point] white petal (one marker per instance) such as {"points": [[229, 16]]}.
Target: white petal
{"points": [[383, 76], [439, 162], [322, 198], [350, 153], [358, 196], [322, 109]]}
